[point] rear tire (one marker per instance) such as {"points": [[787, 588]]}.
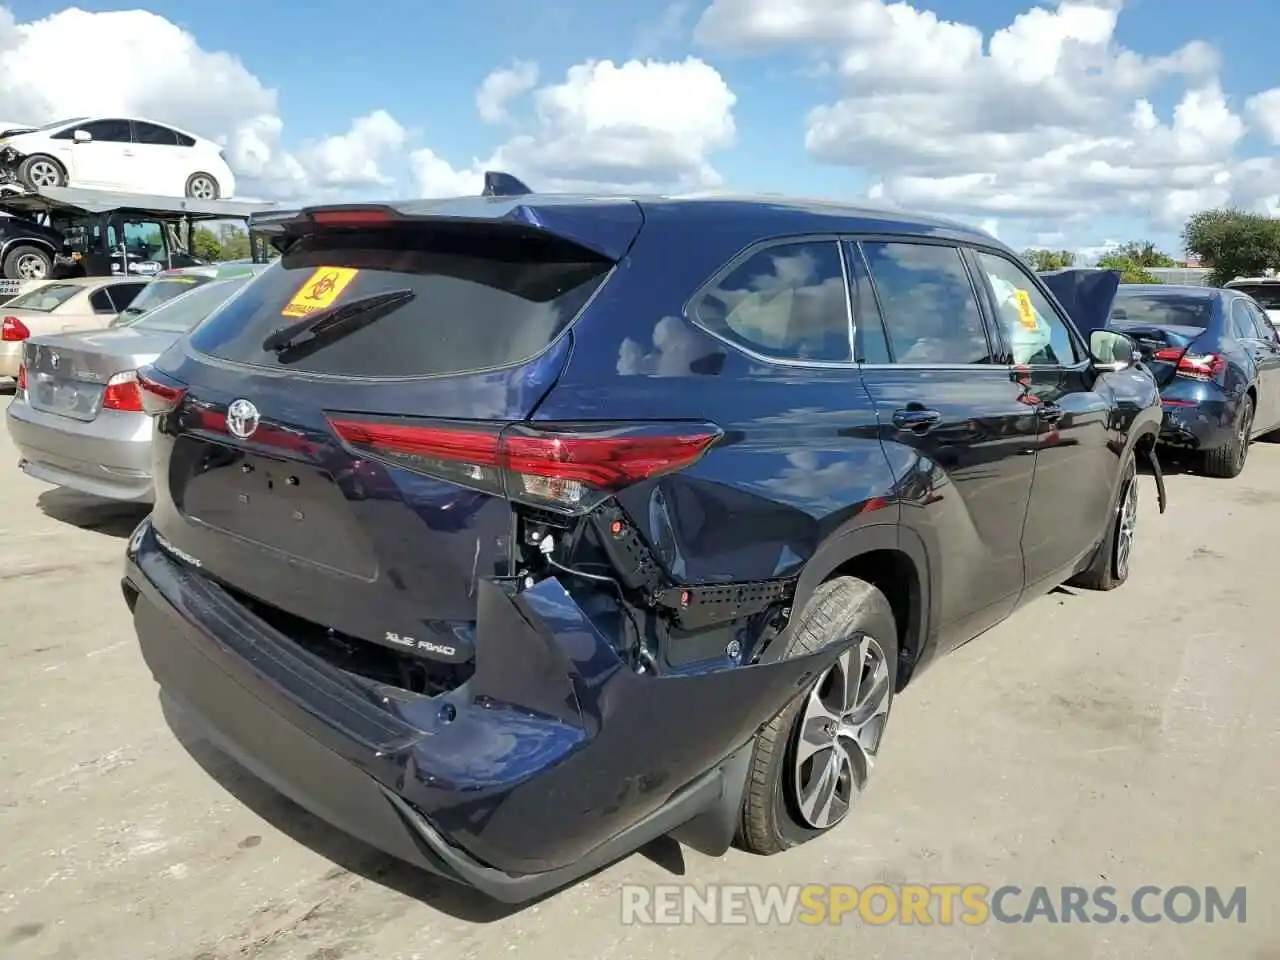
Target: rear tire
{"points": [[1227, 461], [25, 262], [830, 736], [39, 171], [1110, 564], [203, 186]]}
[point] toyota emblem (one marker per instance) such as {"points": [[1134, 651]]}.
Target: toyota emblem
{"points": [[242, 419]]}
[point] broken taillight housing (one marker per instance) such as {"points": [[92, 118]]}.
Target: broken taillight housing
{"points": [[157, 393], [568, 467]]}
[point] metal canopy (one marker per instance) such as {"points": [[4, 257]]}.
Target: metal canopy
{"points": [[81, 200]]}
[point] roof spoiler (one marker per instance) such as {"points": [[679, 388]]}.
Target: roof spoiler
{"points": [[499, 184]]}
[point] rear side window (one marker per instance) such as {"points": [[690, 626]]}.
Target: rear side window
{"points": [[1267, 294], [1163, 310], [1242, 321], [927, 303], [161, 290], [44, 299], [787, 301], [477, 299]]}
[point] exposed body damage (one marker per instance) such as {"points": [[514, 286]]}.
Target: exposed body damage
{"points": [[583, 567]]}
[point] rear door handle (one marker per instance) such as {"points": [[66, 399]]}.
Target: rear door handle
{"points": [[1049, 412], [916, 420]]}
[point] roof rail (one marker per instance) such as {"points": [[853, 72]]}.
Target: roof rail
{"points": [[499, 184]]}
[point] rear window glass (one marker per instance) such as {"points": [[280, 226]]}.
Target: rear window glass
{"points": [[44, 299], [161, 290], [474, 299], [1167, 310], [1267, 294], [183, 313]]}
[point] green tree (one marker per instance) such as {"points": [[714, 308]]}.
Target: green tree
{"points": [[1143, 253], [1233, 243], [1049, 259], [205, 245], [234, 241], [1130, 272]]}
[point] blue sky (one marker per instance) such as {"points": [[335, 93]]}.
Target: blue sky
{"points": [[423, 62]]}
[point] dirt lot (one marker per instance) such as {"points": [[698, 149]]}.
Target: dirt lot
{"points": [[1127, 738]]}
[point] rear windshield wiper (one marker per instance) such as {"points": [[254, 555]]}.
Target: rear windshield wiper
{"points": [[311, 333]]}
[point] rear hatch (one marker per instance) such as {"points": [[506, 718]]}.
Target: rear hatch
{"points": [[345, 476], [1166, 325]]}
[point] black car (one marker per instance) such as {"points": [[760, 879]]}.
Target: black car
{"points": [[509, 534], [28, 249], [1216, 357]]}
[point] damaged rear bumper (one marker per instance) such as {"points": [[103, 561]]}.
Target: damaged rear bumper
{"points": [[553, 760]]}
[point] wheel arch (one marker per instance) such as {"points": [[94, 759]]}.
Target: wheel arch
{"points": [[894, 560]]}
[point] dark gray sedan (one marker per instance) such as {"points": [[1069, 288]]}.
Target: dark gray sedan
{"points": [[77, 417]]}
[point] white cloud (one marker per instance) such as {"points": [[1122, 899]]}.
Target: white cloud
{"points": [[1046, 122], [635, 126], [158, 70], [502, 86]]}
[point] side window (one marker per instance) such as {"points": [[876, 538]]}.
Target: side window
{"points": [[153, 134], [1035, 331], [100, 300], [123, 294], [787, 301], [1266, 330], [927, 303], [108, 131], [184, 140], [871, 343], [1241, 321], [145, 238]]}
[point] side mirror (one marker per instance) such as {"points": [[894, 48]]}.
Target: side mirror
{"points": [[82, 136], [1112, 351]]}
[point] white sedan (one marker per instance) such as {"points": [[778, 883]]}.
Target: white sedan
{"points": [[118, 153]]}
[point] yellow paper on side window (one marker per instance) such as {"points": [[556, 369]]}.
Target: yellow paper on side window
{"points": [[320, 291], [1026, 312]]}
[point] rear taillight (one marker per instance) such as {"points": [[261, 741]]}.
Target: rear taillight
{"points": [[1195, 366], [566, 467], [122, 393], [12, 330], [22, 378], [158, 394]]}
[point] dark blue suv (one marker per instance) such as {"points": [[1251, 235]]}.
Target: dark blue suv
{"points": [[508, 534]]}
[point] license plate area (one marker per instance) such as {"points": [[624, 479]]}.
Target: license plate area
{"points": [[284, 506], [67, 398]]}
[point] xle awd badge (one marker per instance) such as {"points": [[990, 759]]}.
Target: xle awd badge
{"points": [[242, 419]]}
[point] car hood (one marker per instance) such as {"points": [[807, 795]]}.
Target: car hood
{"points": [[1087, 294]]}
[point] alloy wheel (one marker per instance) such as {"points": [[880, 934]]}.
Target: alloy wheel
{"points": [[31, 267], [1127, 528], [202, 188], [44, 173], [839, 733]]}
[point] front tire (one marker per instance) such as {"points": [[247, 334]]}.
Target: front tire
{"points": [[1227, 461], [39, 171], [1109, 567], [203, 186], [28, 263], [812, 762]]}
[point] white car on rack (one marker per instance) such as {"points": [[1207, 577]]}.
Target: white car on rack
{"points": [[115, 153]]}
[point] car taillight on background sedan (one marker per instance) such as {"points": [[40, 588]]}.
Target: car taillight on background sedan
{"points": [[12, 330], [122, 393], [1203, 366]]}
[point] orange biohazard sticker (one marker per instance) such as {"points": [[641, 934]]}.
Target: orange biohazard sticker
{"points": [[1026, 312], [320, 291]]}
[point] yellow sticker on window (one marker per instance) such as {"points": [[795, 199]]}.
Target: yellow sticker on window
{"points": [[320, 290], [1026, 312]]}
